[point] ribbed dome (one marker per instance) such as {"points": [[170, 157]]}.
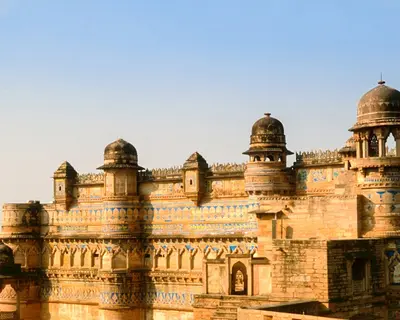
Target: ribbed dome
{"points": [[382, 102], [120, 154], [267, 125], [6, 255]]}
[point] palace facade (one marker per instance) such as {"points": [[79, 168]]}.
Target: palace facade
{"points": [[258, 240]]}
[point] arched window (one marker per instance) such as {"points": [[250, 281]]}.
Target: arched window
{"points": [[257, 158], [390, 146], [269, 158], [373, 146]]}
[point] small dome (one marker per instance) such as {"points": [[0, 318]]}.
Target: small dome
{"points": [[267, 130], [267, 134], [382, 102], [6, 255], [267, 125], [120, 154]]}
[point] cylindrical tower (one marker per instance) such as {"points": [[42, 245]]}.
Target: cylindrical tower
{"points": [[378, 169], [266, 171], [120, 199]]}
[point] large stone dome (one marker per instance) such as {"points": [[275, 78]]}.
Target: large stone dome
{"points": [[120, 154], [380, 103]]}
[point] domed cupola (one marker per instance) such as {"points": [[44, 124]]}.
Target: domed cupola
{"points": [[378, 115], [266, 171], [120, 154], [380, 104], [377, 171], [120, 170], [267, 141]]}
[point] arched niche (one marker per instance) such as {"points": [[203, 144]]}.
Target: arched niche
{"points": [[239, 279]]}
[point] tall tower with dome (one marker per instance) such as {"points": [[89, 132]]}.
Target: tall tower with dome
{"points": [[378, 171]]}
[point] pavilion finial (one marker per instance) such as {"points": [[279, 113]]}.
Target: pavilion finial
{"points": [[381, 81]]}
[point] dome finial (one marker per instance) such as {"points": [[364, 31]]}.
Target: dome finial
{"points": [[267, 114], [381, 81]]}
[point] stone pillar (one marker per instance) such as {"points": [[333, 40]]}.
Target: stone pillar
{"points": [[359, 149], [398, 147], [396, 135], [365, 147], [382, 151], [18, 309]]}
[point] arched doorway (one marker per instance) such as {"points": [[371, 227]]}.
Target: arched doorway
{"points": [[239, 279]]}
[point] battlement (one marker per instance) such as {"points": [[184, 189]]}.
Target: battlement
{"points": [[318, 157], [90, 178], [227, 168], [166, 173]]}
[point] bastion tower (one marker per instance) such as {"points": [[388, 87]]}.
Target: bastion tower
{"points": [[377, 167], [266, 172], [120, 199]]}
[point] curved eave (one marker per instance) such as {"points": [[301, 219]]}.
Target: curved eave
{"points": [[120, 166], [254, 150], [376, 123]]}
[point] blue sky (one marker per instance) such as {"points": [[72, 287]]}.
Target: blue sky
{"points": [[174, 77]]}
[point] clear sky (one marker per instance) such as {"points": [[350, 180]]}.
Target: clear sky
{"points": [[173, 77]]}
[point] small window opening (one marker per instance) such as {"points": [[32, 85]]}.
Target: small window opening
{"points": [[59, 188], [191, 182], [269, 158], [358, 275], [358, 270], [390, 146], [257, 158], [373, 147]]}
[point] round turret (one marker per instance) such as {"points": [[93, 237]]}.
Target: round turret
{"points": [[378, 117], [266, 170], [120, 187]]}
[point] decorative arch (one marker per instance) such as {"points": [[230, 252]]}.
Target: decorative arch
{"points": [[373, 146], [390, 145], [239, 279]]}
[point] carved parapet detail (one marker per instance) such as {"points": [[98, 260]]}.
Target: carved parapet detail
{"points": [[227, 168], [161, 173], [90, 178], [318, 157]]}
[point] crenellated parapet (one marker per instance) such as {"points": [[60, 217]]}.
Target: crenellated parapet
{"points": [[318, 157], [90, 178], [172, 173], [175, 173], [227, 168]]}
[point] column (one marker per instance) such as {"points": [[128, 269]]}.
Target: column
{"points": [[359, 149], [365, 148], [382, 151]]}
